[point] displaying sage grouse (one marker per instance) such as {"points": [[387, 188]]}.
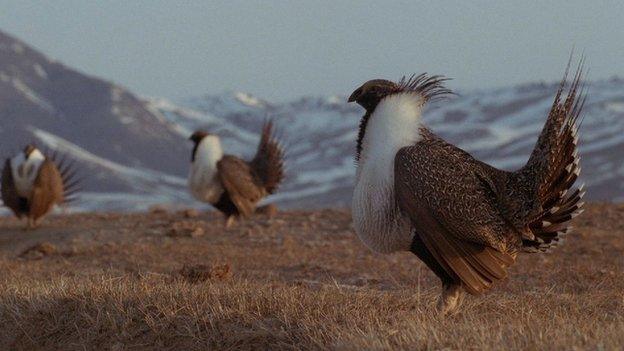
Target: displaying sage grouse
{"points": [[32, 184], [230, 184], [465, 219]]}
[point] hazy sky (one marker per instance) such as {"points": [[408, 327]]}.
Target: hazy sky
{"points": [[283, 49]]}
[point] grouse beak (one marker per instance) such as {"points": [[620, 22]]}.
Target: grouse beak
{"points": [[356, 94], [198, 136], [29, 149], [353, 96]]}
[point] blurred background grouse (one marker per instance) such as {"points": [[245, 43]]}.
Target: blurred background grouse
{"points": [[232, 185], [33, 183]]}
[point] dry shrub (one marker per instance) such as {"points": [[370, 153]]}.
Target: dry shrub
{"points": [[158, 210], [269, 210], [186, 229], [38, 251], [190, 213], [200, 273]]}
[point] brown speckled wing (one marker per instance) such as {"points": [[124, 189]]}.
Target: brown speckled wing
{"points": [[239, 182], [440, 188], [47, 190], [18, 205]]}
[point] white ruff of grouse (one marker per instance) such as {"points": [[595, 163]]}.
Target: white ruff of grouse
{"points": [[394, 124], [203, 181], [25, 171]]}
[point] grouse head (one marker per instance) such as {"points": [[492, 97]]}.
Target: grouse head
{"points": [[372, 92], [29, 149], [198, 136]]}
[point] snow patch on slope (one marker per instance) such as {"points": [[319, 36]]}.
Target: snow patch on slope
{"points": [[143, 177], [249, 100], [32, 95], [40, 71]]}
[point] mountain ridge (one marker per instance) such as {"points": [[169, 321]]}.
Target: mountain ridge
{"points": [[133, 151]]}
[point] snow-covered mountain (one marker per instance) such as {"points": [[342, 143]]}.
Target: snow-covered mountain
{"points": [[133, 152], [120, 146], [499, 126]]}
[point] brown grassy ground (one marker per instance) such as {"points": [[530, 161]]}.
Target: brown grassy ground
{"points": [[299, 281]]}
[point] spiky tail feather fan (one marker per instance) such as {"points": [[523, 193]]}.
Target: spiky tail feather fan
{"points": [[555, 166], [268, 164], [69, 174]]}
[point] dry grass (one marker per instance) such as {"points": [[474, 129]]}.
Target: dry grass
{"points": [[298, 281]]}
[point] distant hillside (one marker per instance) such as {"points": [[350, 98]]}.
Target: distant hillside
{"points": [[499, 126], [44, 101], [134, 152]]}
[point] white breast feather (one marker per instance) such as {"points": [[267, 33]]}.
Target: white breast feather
{"points": [[25, 171], [203, 181], [394, 124]]}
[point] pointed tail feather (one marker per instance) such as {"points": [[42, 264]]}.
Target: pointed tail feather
{"points": [[69, 174], [555, 167], [268, 164]]}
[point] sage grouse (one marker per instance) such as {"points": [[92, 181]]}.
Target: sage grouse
{"points": [[465, 219], [32, 184], [230, 184]]}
